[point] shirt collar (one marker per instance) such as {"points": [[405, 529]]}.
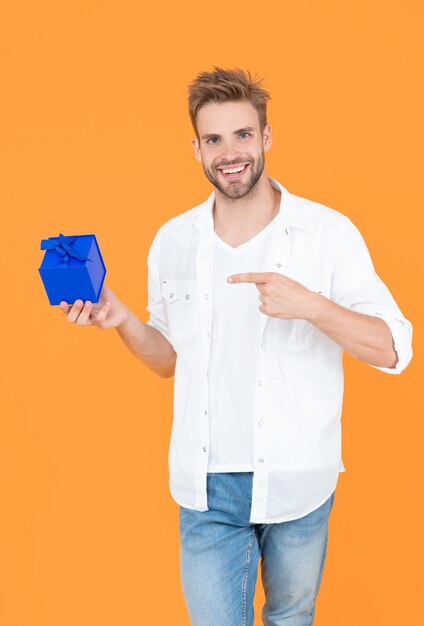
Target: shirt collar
{"points": [[289, 215]]}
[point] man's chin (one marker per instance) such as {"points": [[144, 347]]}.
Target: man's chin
{"points": [[234, 189], [235, 194]]}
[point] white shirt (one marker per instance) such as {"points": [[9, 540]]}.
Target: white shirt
{"points": [[234, 354], [298, 387]]}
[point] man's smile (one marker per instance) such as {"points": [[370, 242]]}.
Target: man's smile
{"points": [[233, 172]]}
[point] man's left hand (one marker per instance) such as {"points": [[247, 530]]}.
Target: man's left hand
{"points": [[280, 295]]}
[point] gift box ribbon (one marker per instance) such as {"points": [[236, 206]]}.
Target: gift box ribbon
{"points": [[62, 245]]}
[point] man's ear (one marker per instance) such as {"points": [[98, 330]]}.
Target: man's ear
{"points": [[197, 153], [267, 137]]}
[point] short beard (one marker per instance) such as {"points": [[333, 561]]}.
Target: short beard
{"points": [[236, 190]]}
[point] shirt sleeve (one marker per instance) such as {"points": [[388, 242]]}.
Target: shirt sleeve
{"points": [[155, 306], [356, 286]]}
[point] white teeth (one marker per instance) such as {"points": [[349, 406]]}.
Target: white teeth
{"points": [[234, 170]]}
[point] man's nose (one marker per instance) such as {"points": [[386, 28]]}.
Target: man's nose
{"points": [[230, 152]]}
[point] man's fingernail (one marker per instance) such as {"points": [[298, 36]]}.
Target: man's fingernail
{"points": [[230, 279]]}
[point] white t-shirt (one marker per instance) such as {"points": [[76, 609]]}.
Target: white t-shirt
{"points": [[234, 353]]}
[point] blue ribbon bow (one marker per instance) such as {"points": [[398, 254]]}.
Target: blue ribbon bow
{"points": [[62, 245]]}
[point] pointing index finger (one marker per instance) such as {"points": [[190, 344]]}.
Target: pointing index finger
{"points": [[249, 277]]}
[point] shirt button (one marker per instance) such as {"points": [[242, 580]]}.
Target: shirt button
{"points": [[278, 264], [171, 295], [206, 412], [209, 334], [259, 383], [187, 296], [204, 448], [260, 459], [206, 296], [260, 422]]}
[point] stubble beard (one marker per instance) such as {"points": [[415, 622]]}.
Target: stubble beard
{"points": [[234, 190]]}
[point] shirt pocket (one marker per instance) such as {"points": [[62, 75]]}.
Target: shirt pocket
{"points": [[180, 297], [292, 335], [297, 334]]}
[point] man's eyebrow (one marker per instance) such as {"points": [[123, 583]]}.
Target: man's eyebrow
{"points": [[209, 135], [244, 130], [235, 132]]}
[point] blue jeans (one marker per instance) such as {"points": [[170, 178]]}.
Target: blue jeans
{"points": [[220, 550]]}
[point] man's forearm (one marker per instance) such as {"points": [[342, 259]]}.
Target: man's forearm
{"points": [[148, 345], [365, 337]]}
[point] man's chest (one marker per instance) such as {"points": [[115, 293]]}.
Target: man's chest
{"points": [[201, 261]]}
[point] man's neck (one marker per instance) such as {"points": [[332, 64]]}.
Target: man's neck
{"points": [[249, 214]]}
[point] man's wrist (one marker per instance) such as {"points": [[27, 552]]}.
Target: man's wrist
{"points": [[317, 307], [126, 319]]}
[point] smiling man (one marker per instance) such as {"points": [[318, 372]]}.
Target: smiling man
{"points": [[253, 297]]}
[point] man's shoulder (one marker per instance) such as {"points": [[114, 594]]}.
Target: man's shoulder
{"points": [[181, 220], [319, 215]]}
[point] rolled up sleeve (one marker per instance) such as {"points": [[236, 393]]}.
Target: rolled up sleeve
{"points": [[401, 330], [356, 286]]}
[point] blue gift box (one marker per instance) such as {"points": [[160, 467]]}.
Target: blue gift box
{"points": [[72, 268]]}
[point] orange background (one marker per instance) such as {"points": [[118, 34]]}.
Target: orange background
{"points": [[95, 137]]}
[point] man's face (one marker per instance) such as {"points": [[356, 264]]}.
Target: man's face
{"points": [[230, 139]]}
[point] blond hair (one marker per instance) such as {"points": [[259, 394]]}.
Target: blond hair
{"points": [[226, 85]]}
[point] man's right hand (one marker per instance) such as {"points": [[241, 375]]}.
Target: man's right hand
{"points": [[108, 312]]}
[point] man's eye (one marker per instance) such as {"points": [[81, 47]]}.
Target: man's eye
{"points": [[212, 139], [244, 135]]}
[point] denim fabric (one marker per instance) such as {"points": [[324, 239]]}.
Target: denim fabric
{"points": [[219, 555]]}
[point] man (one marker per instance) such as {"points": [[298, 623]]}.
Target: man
{"points": [[253, 297]]}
